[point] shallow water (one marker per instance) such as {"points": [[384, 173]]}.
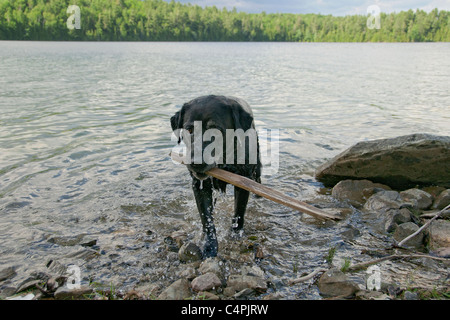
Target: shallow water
{"points": [[85, 138]]}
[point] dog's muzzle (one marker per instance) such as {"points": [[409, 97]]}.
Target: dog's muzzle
{"points": [[198, 170]]}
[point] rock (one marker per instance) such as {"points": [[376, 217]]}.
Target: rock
{"points": [[442, 200], [439, 234], [241, 282], [245, 294], [206, 282], [423, 199], [189, 272], [29, 296], [7, 273], [334, 283], [180, 237], [27, 284], [443, 252], [211, 265], [189, 252], [404, 230], [64, 293], [171, 244], [371, 295], [401, 162], [396, 217], [408, 295], [205, 295], [355, 192], [433, 190], [252, 271], [178, 290], [383, 201], [80, 239]]}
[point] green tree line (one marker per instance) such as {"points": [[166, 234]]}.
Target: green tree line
{"points": [[157, 20]]}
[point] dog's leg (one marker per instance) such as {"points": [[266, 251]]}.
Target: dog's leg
{"points": [[204, 200], [240, 205]]}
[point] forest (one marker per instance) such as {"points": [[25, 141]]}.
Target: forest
{"points": [[158, 20]]}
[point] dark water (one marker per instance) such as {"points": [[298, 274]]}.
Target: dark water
{"points": [[85, 138]]}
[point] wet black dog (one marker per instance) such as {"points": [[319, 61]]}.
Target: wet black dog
{"points": [[200, 123]]}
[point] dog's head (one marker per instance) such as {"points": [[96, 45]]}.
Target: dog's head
{"points": [[202, 124]]}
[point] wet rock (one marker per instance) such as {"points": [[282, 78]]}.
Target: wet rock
{"points": [[171, 244], [404, 230], [24, 296], [401, 162], [178, 290], [396, 217], [205, 282], [179, 236], [442, 200], [383, 201], [371, 295], [27, 284], [85, 254], [350, 233], [356, 192], [69, 241], [245, 294], [238, 283], [422, 198], [65, 293], [189, 272], [252, 271], [439, 234], [7, 273], [211, 265], [408, 295], [334, 283], [189, 252]]}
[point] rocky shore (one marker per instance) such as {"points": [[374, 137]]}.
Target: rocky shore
{"points": [[392, 212]]}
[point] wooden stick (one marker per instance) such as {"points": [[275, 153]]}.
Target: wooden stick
{"points": [[366, 264], [401, 243], [266, 192], [307, 277]]}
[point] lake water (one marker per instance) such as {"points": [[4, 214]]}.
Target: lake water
{"points": [[85, 138]]}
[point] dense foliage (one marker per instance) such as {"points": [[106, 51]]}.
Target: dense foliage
{"points": [[157, 20]]}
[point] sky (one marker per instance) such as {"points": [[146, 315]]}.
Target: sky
{"points": [[336, 8]]}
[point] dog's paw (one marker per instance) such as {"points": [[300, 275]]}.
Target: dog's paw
{"points": [[210, 249], [236, 234]]}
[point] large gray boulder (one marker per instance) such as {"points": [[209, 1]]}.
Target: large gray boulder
{"points": [[401, 163]]}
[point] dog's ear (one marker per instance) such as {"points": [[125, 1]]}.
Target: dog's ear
{"points": [[176, 121], [242, 119]]}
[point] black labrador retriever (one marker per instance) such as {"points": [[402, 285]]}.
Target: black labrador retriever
{"points": [[227, 124]]}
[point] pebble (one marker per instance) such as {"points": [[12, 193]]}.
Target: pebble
{"points": [[334, 283], [205, 282], [189, 252], [178, 290], [65, 293]]}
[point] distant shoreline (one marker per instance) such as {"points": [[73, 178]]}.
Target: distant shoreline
{"points": [[156, 20]]}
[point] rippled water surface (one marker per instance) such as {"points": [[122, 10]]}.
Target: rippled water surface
{"points": [[85, 138]]}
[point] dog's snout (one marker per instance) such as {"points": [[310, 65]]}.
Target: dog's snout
{"points": [[198, 167]]}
